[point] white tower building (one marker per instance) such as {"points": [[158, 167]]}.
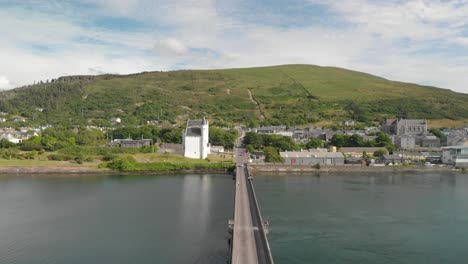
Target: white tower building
{"points": [[196, 139]]}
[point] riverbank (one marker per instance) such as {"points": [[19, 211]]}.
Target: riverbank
{"points": [[253, 169], [298, 169], [86, 170]]}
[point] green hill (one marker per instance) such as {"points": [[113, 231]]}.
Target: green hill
{"points": [[288, 94]]}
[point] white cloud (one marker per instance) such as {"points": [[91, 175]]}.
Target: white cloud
{"points": [[4, 83], [419, 20], [195, 34], [170, 46]]}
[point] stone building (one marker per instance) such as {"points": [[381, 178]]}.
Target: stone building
{"points": [[405, 126]]}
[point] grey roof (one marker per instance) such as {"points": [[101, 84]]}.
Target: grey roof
{"points": [[412, 121], [390, 157], [360, 150], [192, 123], [456, 147], [193, 131], [127, 140], [307, 154]]}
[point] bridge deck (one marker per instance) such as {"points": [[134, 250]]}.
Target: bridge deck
{"points": [[249, 241]]}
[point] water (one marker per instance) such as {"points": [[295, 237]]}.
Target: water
{"points": [[147, 219], [375, 218]]}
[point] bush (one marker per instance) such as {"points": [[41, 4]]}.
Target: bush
{"points": [[59, 157], [123, 164], [149, 149], [108, 157], [317, 166], [10, 154]]}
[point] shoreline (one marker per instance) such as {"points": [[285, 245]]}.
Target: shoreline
{"points": [[281, 169], [254, 169], [81, 171]]}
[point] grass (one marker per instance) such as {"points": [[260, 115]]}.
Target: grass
{"points": [[143, 162], [45, 163], [289, 94], [35, 162], [445, 123]]}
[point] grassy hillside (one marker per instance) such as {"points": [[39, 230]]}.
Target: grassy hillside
{"points": [[288, 94]]}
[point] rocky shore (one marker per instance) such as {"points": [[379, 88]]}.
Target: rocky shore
{"points": [[282, 169]]}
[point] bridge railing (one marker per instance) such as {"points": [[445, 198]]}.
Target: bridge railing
{"points": [[261, 226]]}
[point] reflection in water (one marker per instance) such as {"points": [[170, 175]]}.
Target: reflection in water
{"points": [[148, 219], [195, 204]]}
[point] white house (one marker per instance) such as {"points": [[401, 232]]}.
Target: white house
{"points": [[217, 149], [196, 145], [455, 155], [11, 138], [116, 120]]}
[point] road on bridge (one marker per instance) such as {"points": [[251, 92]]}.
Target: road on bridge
{"points": [[244, 249], [249, 243]]}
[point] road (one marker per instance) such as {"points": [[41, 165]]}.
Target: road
{"points": [[244, 249]]}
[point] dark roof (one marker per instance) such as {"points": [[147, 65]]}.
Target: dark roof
{"points": [[193, 131], [392, 157], [131, 141], [192, 123]]}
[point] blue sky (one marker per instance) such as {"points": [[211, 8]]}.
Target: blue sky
{"points": [[417, 41]]}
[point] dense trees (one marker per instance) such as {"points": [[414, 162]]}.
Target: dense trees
{"points": [[167, 134], [272, 155], [90, 137], [270, 144], [222, 137], [438, 134], [259, 141], [314, 143], [382, 140]]}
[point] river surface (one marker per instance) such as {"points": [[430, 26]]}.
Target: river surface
{"points": [[147, 219], [373, 218]]}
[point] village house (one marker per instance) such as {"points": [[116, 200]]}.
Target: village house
{"points": [[359, 151], [348, 123], [393, 159], [217, 149], [455, 155], [257, 156], [17, 136], [405, 141], [430, 141], [270, 130], [456, 137], [430, 156], [19, 119], [11, 138], [116, 120], [312, 157], [130, 143]]}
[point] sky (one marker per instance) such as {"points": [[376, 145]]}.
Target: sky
{"points": [[418, 41]]}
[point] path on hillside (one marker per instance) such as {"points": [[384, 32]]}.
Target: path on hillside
{"points": [[253, 100], [297, 83]]}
